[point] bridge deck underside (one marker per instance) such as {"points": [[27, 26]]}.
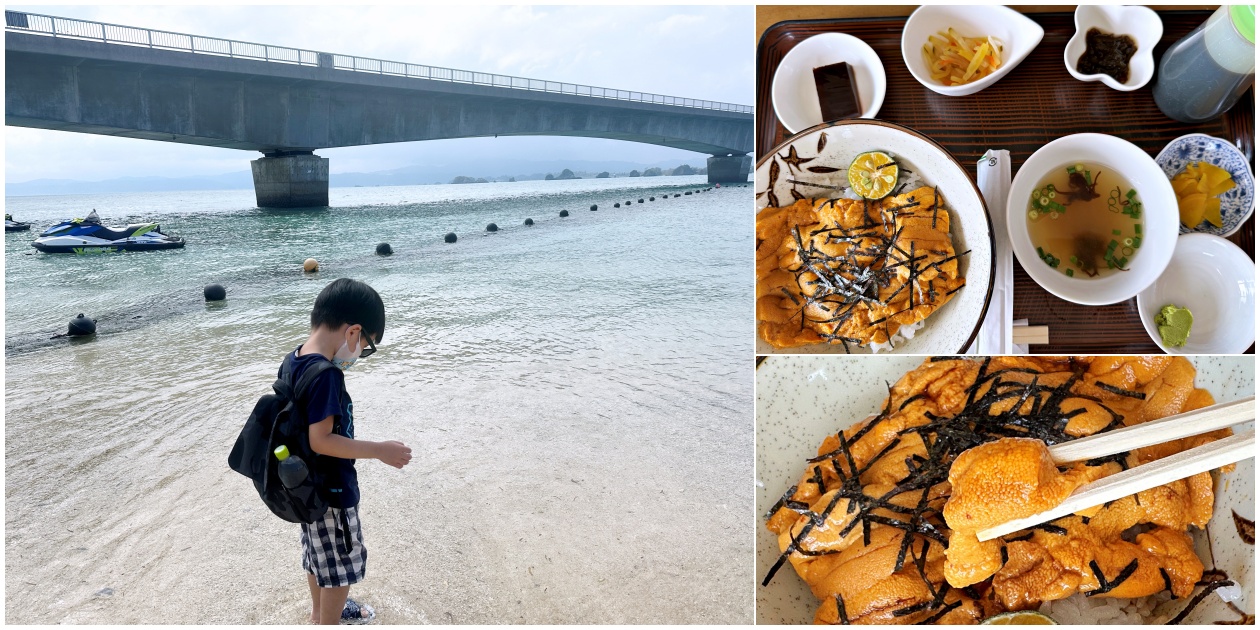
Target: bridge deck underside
{"points": [[170, 96]]}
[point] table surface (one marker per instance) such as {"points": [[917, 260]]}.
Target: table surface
{"points": [[1034, 104]]}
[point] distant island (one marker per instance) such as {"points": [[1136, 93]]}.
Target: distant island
{"points": [[405, 176], [565, 174]]}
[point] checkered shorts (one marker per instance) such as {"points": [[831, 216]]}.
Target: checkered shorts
{"points": [[332, 548]]}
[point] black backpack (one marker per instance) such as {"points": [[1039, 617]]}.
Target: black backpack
{"points": [[277, 420]]}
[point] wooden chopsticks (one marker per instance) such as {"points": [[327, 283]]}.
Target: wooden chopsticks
{"points": [[1027, 335], [1156, 431], [1149, 475]]}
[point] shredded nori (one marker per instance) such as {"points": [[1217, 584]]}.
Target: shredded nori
{"points": [[1103, 585], [870, 266], [1120, 392], [945, 438]]}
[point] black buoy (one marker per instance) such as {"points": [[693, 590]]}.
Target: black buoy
{"points": [[594, 207], [640, 199], [651, 198], [492, 228], [383, 249], [616, 205], [213, 293], [450, 237], [529, 221], [81, 326], [678, 195], [564, 213], [627, 202], [687, 193]]}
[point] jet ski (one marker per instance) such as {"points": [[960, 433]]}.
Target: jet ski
{"points": [[14, 226], [88, 236]]}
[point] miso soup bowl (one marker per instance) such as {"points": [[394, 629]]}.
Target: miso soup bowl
{"points": [[1159, 216]]}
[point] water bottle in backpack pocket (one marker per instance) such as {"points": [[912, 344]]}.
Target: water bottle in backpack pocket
{"points": [[289, 490]]}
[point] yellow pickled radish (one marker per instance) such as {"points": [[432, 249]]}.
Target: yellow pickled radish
{"points": [[1192, 208], [1213, 212]]}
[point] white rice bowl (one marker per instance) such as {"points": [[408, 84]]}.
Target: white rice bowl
{"points": [[802, 399], [952, 327]]}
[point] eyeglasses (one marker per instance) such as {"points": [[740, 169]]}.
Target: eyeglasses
{"points": [[371, 349]]}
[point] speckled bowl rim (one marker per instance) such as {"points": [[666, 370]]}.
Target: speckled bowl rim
{"points": [[988, 222]]}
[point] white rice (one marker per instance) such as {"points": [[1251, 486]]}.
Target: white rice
{"points": [[1079, 609]]}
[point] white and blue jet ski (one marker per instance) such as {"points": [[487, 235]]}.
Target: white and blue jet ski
{"points": [[88, 236], [14, 226]]}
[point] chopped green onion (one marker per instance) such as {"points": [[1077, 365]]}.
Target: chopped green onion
{"points": [[1127, 241], [1137, 228], [1132, 193], [1074, 260], [1054, 215], [1041, 252], [1128, 251], [1069, 273], [1123, 261], [1033, 214], [1116, 232], [1137, 242]]}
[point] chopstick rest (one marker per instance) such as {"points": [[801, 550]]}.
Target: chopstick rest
{"points": [[1134, 480]]}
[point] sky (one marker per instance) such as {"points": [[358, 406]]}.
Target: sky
{"points": [[702, 52]]}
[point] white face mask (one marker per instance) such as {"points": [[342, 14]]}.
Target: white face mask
{"points": [[345, 357]]}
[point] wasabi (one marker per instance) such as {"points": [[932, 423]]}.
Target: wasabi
{"points": [[1174, 325]]}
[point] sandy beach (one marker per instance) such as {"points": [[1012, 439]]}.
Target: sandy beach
{"points": [[575, 461]]}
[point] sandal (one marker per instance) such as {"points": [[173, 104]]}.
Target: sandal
{"points": [[355, 613]]}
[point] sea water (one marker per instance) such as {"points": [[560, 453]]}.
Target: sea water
{"points": [[577, 395]]}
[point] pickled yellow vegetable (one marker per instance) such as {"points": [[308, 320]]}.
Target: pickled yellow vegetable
{"points": [[953, 59]]}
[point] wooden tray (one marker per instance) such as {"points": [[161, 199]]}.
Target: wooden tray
{"points": [[1034, 104]]}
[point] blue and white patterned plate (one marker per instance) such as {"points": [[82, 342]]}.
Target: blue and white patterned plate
{"points": [[1236, 204]]}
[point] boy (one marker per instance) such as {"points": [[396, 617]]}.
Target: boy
{"points": [[347, 322]]}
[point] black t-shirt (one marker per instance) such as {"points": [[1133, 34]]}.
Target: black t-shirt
{"points": [[327, 396]]}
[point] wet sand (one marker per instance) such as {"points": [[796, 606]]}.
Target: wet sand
{"points": [[521, 504]]}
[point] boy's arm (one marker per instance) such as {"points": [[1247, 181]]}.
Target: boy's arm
{"points": [[325, 442]]}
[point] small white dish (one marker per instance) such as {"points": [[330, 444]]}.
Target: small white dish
{"points": [[1140, 23], [794, 94], [1215, 280], [1159, 219], [1236, 204], [1018, 35]]}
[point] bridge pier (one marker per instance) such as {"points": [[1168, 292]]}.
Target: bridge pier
{"points": [[291, 179], [729, 169]]}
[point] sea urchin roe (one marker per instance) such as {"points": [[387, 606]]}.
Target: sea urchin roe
{"points": [[848, 271], [1107, 54], [865, 526]]}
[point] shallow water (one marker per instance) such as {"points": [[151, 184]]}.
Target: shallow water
{"points": [[577, 395]]}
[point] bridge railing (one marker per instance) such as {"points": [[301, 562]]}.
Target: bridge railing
{"points": [[53, 26]]}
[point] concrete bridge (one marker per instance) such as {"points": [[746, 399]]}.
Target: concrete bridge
{"points": [[286, 103]]}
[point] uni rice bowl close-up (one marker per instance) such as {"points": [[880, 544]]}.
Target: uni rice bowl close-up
{"points": [[872, 472]]}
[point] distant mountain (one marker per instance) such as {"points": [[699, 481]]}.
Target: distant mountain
{"points": [[493, 170]]}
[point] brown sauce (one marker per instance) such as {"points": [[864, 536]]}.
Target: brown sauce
{"points": [[1107, 54]]}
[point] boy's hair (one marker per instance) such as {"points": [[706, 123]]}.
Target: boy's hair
{"points": [[346, 301]]}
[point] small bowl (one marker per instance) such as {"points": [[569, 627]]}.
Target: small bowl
{"points": [[1237, 204], [1159, 223], [793, 93], [1140, 23], [1018, 34], [1215, 280]]}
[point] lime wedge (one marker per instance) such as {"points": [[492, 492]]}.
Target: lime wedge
{"points": [[873, 174]]}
